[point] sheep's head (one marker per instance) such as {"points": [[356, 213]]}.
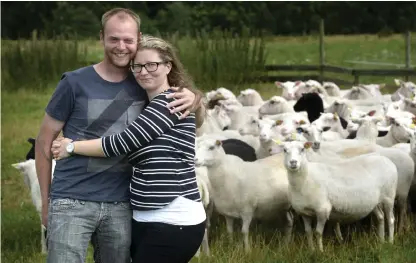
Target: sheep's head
{"points": [[411, 132], [267, 128], [294, 153], [208, 152], [331, 88], [398, 128], [275, 105], [222, 117], [289, 88], [249, 97], [252, 126], [312, 134], [326, 121]]}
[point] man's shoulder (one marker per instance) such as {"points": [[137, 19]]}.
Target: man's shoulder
{"points": [[78, 73]]}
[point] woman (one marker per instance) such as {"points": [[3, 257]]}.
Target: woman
{"points": [[168, 216]]}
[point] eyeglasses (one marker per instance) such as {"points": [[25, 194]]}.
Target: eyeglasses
{"points": [[150, 67]]}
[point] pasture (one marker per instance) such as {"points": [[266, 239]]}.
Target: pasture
{"points": [[23, 108]]}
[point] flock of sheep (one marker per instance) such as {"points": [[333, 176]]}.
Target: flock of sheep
{"points": [[318, 152], [322, 153]]}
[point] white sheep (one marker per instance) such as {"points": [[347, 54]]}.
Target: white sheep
{"points": [[289, 89], [28, 170], [327, 191], [367, 129], [250, 97], [407, 90], [404, 165], [276, 105], [331, 88], [333, 122], [238, 193], [215, 120], [204, 189]]}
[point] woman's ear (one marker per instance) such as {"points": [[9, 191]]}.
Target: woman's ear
{"points": [[169, 66]]}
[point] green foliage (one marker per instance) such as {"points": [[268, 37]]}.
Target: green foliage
{"points": [[69, 21], [36, 63], [275, 17]]}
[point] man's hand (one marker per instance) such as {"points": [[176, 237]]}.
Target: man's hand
{"points": [[59, 148], [185, 100]]}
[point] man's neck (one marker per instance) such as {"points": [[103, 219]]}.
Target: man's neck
{"points": [[111, 73]]}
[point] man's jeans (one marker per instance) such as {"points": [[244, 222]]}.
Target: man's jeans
{"points": [[72, 223]]}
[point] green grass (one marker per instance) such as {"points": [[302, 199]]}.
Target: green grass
{"points": [[22, 112]]}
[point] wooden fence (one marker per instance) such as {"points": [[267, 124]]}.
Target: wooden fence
{"points": [[322, 68]]}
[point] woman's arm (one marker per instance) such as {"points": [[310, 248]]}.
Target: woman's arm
{"points": [[155, 120]]}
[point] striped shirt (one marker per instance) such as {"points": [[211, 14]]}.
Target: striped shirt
{"points": [[161, 149]]}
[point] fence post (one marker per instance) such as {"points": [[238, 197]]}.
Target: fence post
{"points": [[407, 58], [356, 78], [321, 49]]}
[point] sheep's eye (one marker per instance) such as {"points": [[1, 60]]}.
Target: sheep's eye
{"points": [[211, 148], [396, 108], [285, 150], [272, 102], [253, 121]]}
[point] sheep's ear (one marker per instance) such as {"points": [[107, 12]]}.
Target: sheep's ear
{"points": [[298, 83], [307, 145], [279, 122], [278, 142], [18, 166], [371, 113], [278, 84], [382, 85], [413, 120], [218, 143], [398, 82], [302, 122], [335, 116]]}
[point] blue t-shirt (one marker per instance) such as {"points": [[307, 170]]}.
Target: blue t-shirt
{"points": [[92, 107]]}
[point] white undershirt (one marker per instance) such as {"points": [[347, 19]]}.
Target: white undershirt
{"points": [[182, 211]]}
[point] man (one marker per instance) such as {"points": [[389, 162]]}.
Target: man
{"points": [[89, 197]]}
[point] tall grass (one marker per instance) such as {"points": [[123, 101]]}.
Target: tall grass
{"points": [[220, 58], [36, 63]]}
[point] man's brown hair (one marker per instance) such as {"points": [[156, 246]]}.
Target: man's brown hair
{"points": [[121, 13]]}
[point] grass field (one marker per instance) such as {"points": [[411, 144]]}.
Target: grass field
{"points": [[23, 110]]}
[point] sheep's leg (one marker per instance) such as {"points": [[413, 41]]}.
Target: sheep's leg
{"points": [[308, 229], [389, 214], [230, 223], [320, 225], [402, 207], [288, 227], [43, 239], [209, 211], [380, 222], [338, 233], [245, 230], [205, 245]]}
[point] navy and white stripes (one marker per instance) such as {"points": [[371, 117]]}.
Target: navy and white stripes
{"points": [[161, 148]]}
